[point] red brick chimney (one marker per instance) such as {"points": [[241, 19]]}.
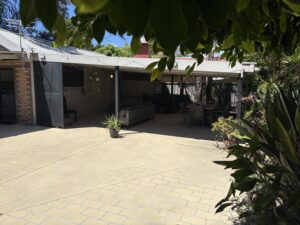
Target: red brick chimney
{"points": [[144, 51]]}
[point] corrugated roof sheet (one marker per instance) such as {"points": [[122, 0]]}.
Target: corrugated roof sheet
{"points": [[11, 41]]}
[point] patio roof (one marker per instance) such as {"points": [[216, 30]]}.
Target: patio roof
{"points": [[41, 50]]}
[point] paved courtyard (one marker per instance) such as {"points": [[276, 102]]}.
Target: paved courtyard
{"points": [[159, 172]]}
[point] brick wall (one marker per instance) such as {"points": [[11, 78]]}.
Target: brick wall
{"points": [[144, 51], [22, 89]]}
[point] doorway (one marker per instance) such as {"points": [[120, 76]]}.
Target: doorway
{"points": [[7, 96]]}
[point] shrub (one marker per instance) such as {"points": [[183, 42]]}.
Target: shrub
{"points": [[222, 127], [267, 162]]}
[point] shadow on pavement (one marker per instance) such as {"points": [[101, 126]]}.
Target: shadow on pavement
{"points": [[16, 129]]}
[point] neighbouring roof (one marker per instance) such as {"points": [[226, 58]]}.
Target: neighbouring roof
{"points": [[44, 51], [11, 41]]}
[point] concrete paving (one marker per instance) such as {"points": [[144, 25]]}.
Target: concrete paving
{"points": [[159, 172]]}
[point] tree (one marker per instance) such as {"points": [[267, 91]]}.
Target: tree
{"points": [[266, 161], [111, 50], [234, 26], [8, 10]]}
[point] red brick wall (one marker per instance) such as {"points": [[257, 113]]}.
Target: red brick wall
{"points": [[22, 89], [144, 51]]}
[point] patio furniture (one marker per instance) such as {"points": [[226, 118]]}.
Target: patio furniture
{"points": [[136, 114], [209, 111], [184, 112], [196, 114]]}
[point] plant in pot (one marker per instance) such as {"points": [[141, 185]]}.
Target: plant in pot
{"points": [[113, 124]]}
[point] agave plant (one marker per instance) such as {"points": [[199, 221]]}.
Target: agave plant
{"points": [[267, 161], [113, 124]]}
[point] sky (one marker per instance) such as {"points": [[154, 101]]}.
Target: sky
{"points": [[108, 38]]}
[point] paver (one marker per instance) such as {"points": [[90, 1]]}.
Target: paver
{"points": [[93, 213], [80, 176], [114, 218], [92, 221]]}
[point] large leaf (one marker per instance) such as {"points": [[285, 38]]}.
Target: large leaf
{"points": [[293, 4], [47, 12], [135, 45], [270, 117], [28, 11], [168, 23], [91, 6], [117, 17], [171, 62], [151, 66], [297, 118], [222, 10], [282, 23], [242, 4], [288, 147], [242, 173], [134, 9], [190, 69], [228, 42], [156, 74], [246, 185], [287, 110], [99, 29], [195, 27], [223, 206], [162, 64], [60, 30], [249, 45], [238, 163]]}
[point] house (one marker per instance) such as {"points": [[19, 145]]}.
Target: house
{"points": [[36, 80]]}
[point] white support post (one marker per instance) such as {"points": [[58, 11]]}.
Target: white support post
{"points": [[239, 96], [117, 72]]}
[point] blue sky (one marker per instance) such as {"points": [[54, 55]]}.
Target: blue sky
{"points": [[108, 38]]}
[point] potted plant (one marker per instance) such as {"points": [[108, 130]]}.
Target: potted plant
{"points": [[113, 124]]}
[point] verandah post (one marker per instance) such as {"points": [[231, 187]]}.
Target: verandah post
{"points": [[117, 73]]}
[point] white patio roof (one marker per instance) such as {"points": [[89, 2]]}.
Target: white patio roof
{"points": [[41, 50]]}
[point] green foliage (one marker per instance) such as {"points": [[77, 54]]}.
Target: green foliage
{"points": [[254, 110], [234, 27], [280, 68], [112, 123], [267, 163], [135, 45], [252, 83], [223, 127], [111, 50], [8, 10]]}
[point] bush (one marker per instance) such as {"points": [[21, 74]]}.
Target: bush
{"points": [[267, 161], [222, 127]]}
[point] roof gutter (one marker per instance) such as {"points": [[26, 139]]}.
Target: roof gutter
{"points": [[6, 55], [10, 52]]}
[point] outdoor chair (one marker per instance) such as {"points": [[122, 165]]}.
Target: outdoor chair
{"points": [[68, 112], [184, 112], [196, 114]]}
